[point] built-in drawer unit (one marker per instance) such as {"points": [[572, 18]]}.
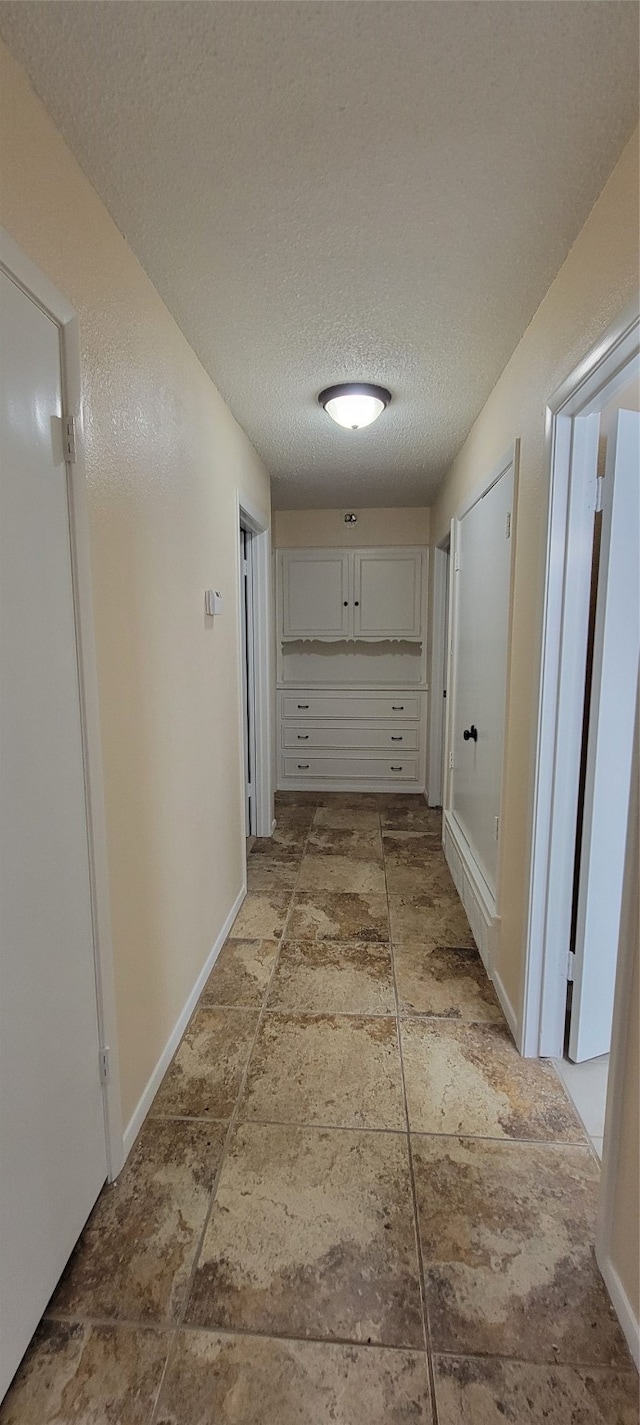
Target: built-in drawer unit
{"points": [[393, 739], [342, 738], [316, 766], [350, 706]]}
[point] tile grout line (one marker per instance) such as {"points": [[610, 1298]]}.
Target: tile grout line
{"points": [[426, 1328], [180, 1323]]}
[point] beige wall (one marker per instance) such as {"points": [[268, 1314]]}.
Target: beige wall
{"points": [[597, 281], [164, 460], [295, 529]]}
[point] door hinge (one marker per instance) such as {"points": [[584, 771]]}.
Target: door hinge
{"points": [[451, 761], [599, 490], [245, 567], [497, 827], [105, 1065], [571, 960], [69, 438], [509, 524], [456, 562]]}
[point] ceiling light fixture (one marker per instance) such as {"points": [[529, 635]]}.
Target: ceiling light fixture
{"points": [[354, 404]]}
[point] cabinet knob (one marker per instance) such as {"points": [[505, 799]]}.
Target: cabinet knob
{"points": [[396, 739], [303, 766], [303, 737], [396, 769], [303, 706], [356, 603], [397, 707], [345, 603]]}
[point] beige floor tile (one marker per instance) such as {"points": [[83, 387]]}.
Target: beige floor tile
{"points": [[328, 1069], [285, 844], [136, 1251], [439, 924], [204, 1078], [331, 977], [249, 1380], [341, 818], [407, 817], [341, 873], [470, 1079], [264, 874], [360, 845], [76, 1374], [262, 916], [471, 1391], [450, 983], [411, 848], [426, 874], [330, 915], [312, 1235], [507, 1235], [241, 973]]}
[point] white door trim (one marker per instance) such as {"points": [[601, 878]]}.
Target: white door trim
{"points": [[37, 286], [257, 522], [568, 566], [438, 675]]}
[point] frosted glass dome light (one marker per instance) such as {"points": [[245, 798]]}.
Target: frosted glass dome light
{"points": [[355, 404]]}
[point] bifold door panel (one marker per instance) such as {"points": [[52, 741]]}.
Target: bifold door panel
{"points": [[480, 671], [52, 1126]]}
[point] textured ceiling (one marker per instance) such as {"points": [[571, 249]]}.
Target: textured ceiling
{"points": [[335, 191]]}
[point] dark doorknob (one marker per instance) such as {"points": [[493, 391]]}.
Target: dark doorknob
{"points": [[470, 734]]}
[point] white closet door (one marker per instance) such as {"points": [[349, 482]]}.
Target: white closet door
{"points": [[316, 593], [609, 748], [52, 1128], [480, 670], [387, 593]]}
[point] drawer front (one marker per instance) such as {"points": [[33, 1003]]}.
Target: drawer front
{"points": [[351, 706], [391, 739], [383, 769]]}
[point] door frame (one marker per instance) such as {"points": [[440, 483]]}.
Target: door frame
{"points": [[569, 437], [260, 594], [440, 654], [19, 267]]}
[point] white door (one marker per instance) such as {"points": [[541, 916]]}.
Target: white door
{"points": [[387, 593], [316, 593], [609, 747], [52, 1127], [480, 670]]}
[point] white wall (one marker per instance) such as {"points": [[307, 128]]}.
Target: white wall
{"points": [[297, 529]]}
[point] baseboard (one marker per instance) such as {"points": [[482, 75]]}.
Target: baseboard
{"points": [[144, 1103], [473, 891], [506, 1006], [621, 1305]]}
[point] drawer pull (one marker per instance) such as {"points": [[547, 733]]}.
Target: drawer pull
{"points": [[303, 766], [303, 737], [396, 739], [303, 706], [396, 769], [397, 707]]}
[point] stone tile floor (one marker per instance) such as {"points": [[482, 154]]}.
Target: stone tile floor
{"points": [[352, 1202]]}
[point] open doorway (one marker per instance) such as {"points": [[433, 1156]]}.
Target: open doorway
{"points": [[254, 573], [590, 659]]}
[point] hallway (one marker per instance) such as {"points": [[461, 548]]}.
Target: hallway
{"points": [[299, 1205]]}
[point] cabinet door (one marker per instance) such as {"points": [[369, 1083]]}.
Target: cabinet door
{"points": [[316, 593], [387, 593]]}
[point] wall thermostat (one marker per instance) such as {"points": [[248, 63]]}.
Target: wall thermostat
{"points": [[213, 602], [350, 518]]}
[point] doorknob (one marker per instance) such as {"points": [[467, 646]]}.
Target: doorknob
{"points": [[470, 734]]}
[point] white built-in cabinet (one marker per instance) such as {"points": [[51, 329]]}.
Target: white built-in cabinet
{"points": [[351, 668]]}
